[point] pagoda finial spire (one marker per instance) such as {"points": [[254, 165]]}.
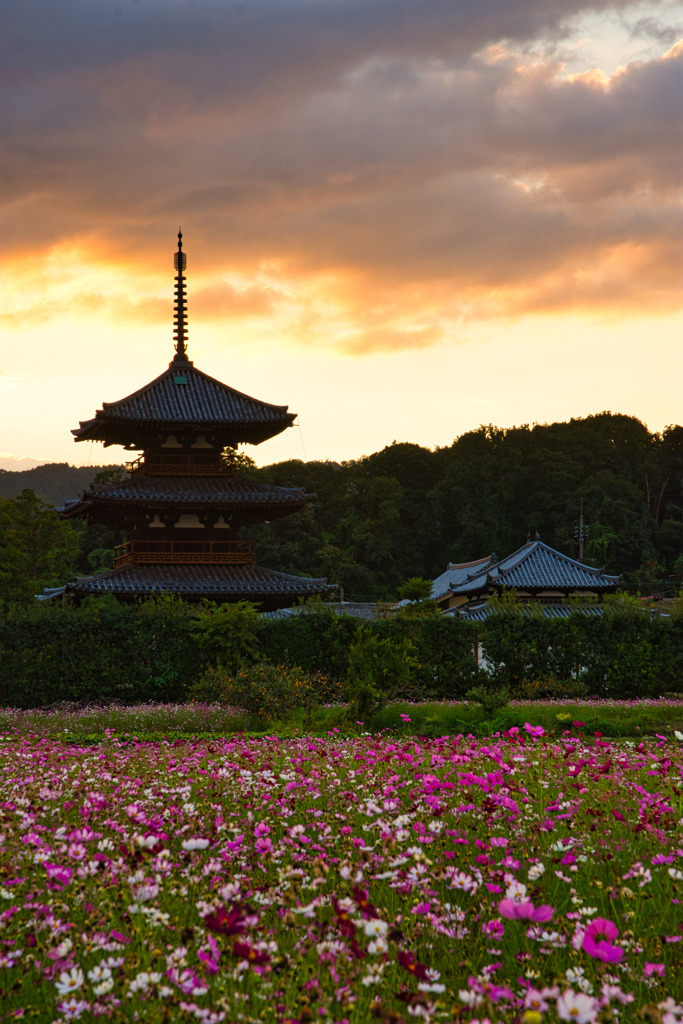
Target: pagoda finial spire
{"points": [[180, 311]]}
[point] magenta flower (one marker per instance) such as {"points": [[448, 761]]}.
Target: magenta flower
{"points": [[525, 911], [534, 730], [597, 941], [231, 920], [649, 970]]}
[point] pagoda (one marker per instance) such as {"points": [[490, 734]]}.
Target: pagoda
{"points": [[184, 501]]}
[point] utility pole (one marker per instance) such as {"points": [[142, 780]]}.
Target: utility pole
{"points": [[581, 532]]}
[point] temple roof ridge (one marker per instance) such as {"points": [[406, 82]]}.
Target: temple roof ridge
{"points": [[535, 565]]}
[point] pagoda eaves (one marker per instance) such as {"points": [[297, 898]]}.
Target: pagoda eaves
{"points": [[184, 503]]}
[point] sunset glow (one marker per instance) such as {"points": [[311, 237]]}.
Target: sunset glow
{"points": [[402, 219]]}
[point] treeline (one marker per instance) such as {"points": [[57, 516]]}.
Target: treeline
{"points": [[167, 650], [54, 483], [407, 511]]}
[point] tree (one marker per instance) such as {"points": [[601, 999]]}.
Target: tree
{"points": [[36, 548]]}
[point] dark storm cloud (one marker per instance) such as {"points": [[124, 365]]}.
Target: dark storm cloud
{"points": [[391, 144]]}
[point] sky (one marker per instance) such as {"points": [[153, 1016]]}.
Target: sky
{"points": [[402, 218]]}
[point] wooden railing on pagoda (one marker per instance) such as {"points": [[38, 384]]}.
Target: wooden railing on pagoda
{"points": [[233, 552], [180, 464]]}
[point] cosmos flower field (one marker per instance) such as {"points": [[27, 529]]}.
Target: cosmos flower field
{"points": [[372, 878]]}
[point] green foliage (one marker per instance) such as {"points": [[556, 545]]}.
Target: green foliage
{"points": [[490, 700], [379, 669], [107, 651], [558, 689], [625, 652], [314, 640], [36, 549], [266, 691], [227, 634], [103, 650], [404, 512]]}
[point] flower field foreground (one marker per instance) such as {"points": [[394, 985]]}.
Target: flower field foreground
{"points": [[342, 880]]}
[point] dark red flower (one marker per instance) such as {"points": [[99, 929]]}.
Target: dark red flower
{"points": [[410, 964], [246, 952], [363, 903], [230, 921]]}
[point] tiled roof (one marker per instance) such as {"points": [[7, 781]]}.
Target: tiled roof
{"points": [[481, 612], [535, 566], [185, 397], [356, 609], [249, 582], [455, 574], [190, 490]]}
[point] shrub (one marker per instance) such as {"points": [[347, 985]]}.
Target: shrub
{"points": [[379, 670], [549, 686], [267, 691], [227, 634]]}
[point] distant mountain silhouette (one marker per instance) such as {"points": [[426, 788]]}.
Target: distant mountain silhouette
{"points": [[55, 482]]}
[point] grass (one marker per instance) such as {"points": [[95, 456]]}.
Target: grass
{"points": [[155, 722]]}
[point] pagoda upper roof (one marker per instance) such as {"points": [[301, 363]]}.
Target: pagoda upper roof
{"points": [[221, 491], [184, 398], [535, 566]]}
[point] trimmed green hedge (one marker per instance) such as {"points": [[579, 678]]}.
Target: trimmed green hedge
{"points": [[110, 651], [101, 651]]}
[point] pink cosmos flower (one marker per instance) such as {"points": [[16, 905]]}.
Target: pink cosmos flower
{"points": [[649, 970], [534, 730], [58, 876], [597, 941], [525, 911]]}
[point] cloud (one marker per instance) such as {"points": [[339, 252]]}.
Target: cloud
{"points": [[375, 172]]}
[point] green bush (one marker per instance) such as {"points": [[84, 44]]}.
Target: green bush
{"points": [[379, 669], [266, 691]]}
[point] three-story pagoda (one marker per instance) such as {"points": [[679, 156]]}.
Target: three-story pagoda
{"points": [[184, 502]]}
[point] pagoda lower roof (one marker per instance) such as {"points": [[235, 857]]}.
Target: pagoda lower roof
{"points": [[215, 582], [185, 491], [180, 399]]}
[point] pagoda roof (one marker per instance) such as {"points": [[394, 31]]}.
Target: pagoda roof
{"points": [[215, 582], [207, 491], [533, 567], [184, 398]]}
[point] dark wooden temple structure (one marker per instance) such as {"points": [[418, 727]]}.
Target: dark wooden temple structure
{"points": [[184, 504]]}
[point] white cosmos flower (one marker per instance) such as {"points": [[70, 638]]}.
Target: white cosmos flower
{"points": [[375, 928], [516, 891], [69, 981], [535, 871], [577, 1007], [104, 987], [99, 973], [195, 844], [147, 891]]}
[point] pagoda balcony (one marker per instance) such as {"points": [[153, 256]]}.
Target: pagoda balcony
{"points": [[230, 552], [180, 464]]}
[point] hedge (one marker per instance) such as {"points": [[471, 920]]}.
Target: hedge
{"points": [[154, 652]]}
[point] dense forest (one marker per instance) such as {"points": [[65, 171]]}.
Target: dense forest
{"points": [[407, 511]]}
